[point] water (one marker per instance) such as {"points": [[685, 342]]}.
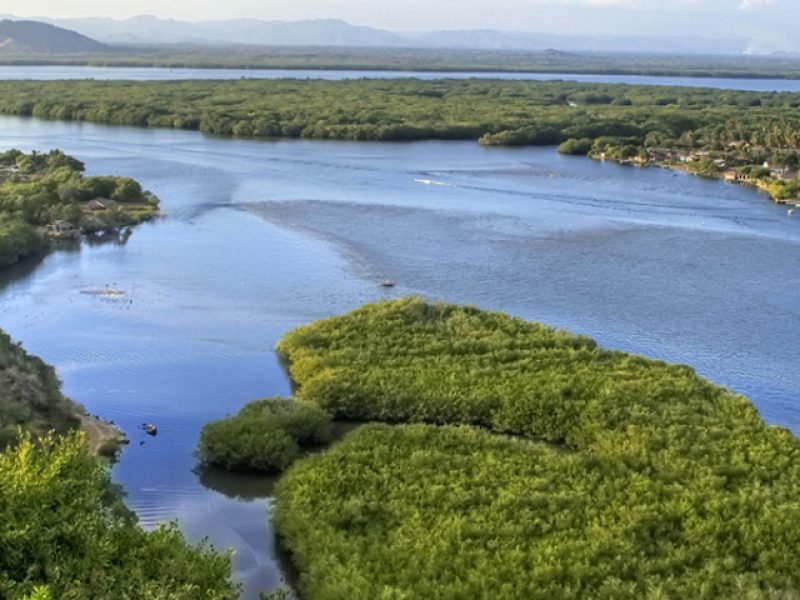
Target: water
{"points": [[260, 237], [164, 74]]}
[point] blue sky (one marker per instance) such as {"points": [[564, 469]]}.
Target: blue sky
{"points": [[766, 22]]}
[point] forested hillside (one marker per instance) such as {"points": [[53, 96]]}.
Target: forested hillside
{"points": [[30, 395]]}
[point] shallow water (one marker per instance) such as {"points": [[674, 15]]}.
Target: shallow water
{"points": [[164, 74], [260, 237]]}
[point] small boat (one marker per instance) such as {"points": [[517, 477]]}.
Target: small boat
{"points": [[790, 212], [150, 429], [387, 283]]}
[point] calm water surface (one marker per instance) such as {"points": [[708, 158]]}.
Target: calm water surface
{"points": [[260, 237], [164, 74]]}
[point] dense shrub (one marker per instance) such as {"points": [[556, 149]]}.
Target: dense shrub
{"points": [[668, 486], [64, 534], [266, 435], [579, 147]]}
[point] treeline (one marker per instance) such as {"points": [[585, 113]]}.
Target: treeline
{"points": [[616, 121], [661, 484], [40, 189], [499, 112], [421, 59]]}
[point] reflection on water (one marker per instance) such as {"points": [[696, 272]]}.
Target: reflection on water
{"points": [[260, 237], [242, 487]]}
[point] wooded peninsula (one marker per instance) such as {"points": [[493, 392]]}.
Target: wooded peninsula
{"points": [[747, 137], [44, 198]]}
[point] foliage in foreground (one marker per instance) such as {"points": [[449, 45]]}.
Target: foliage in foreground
{"points": [[30, 395], [65, 535], [266, 435], [671, 488]]}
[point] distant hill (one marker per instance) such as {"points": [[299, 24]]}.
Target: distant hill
{"points": [[22, 37], [153, 30], [150, 30]]}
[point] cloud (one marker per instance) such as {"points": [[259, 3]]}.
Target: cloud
{"points": [[750, 4]]}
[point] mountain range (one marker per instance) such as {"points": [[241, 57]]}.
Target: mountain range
{"points": [[149, 30]]}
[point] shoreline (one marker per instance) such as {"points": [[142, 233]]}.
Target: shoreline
{"points": [[103, 438], [755, 184]]}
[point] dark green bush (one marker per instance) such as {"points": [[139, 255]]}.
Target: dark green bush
{"points": [[579, 147], [266, 435]]}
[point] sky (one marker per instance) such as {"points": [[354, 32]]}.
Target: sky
{"points": [[765, 22]]}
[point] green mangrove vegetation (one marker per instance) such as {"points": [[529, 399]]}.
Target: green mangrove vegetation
{"points": [[266, 435], [652, 483], [714, 132], [45, 197], [65, 534]]}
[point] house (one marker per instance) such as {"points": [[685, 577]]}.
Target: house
{"points": [[782, 173], [100, 204], [62, 230]]}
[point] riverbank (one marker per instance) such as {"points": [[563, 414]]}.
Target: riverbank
{"points": [[763, 185], [102, 437]]}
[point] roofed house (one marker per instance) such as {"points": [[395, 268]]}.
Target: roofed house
{"points": [[782, 173], [100, 204]]}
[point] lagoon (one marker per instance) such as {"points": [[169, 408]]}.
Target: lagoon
{"points": [[262, 236]]}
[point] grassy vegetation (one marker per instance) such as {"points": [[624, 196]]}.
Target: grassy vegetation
{"points": [[715, 130], [64, 534], [266, 435], [422, 59], [666, 487], [39, 190]]}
